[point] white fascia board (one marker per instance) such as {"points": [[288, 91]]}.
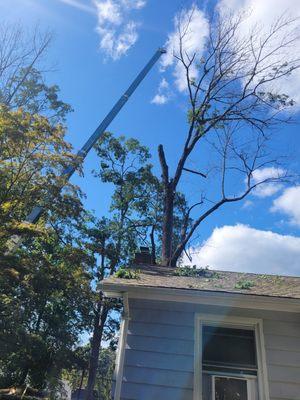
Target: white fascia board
{"points": [[226, 299]]}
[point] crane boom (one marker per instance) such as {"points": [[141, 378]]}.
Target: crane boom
{"points": [[36, 212]]}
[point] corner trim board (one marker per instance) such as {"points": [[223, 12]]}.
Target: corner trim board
{"points": [[121, 348]]}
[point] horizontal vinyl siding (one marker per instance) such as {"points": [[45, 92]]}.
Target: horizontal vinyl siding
{"points": [[159, 356], [161, 330], [282, 342], [134, 391], [151, 359], [284, 391], [160, 377], [275, 357], [161, 345]]}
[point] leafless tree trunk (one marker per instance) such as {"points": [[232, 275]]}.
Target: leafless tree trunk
{"points": [[235, 87], [168, 209]]}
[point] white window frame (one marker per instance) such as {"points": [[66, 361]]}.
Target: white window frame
{"points": [[251, 385], [231, 322]]}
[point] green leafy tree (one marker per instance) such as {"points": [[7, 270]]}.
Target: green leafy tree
{"points": [[45, 307], [77, 378], [75, 375], [45, 295], [33, 150], [104, 376], [135, 219], [123, 163], [32, 154]]}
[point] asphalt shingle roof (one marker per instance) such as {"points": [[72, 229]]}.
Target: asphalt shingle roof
{"points": [[217, 281]]}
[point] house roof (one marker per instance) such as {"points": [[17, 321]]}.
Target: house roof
{"points": [[150, 276]]}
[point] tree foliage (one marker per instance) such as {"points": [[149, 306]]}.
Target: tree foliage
{"points": [[45, 295], [45, 284], [33, 153], [45, 306]]}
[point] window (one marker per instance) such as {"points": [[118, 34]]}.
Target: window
{"points": [[229, 388], [229, 359], [231, 354], [228, 348]]}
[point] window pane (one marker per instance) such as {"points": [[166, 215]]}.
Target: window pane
{"points": [[230, 389], [229, 347]]}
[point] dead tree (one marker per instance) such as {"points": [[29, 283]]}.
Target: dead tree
{"points": [[235, 87]]}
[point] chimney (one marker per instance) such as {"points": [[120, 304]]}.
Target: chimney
{"points": [[143, 256]]}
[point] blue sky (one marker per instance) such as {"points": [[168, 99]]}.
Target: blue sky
{"points": [[94, 67]]}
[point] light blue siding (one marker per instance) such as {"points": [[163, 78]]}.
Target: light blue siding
{"points": [[133, 391], [159, 356]]}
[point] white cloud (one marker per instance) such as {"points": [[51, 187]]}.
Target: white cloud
{"points": [[269, 188], [289, 204], [117, 30], [80, 5], [195, 26], [263, 13], [163, 93], [163, 84], [247, 204], [159, 99], [245, 249], [135, 4], [109, 12]]}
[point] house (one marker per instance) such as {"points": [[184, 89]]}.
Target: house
{"points": [[209, 336]]}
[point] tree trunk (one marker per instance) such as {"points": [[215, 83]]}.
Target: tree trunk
{"points": [[23, 376], [81, 383], [177, 253], [100, 319], [153, 247], [167, 229]]}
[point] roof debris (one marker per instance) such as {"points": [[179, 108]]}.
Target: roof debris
{"points": [[204, 279]]}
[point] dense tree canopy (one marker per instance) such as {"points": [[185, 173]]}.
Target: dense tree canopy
{"points": [[45, 306], [45, 295], [32, 153]]}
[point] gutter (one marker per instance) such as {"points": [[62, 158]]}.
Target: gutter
{"points": [[209, 297]]}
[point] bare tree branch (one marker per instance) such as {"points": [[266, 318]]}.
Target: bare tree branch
{"points": [[233, 94]]}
